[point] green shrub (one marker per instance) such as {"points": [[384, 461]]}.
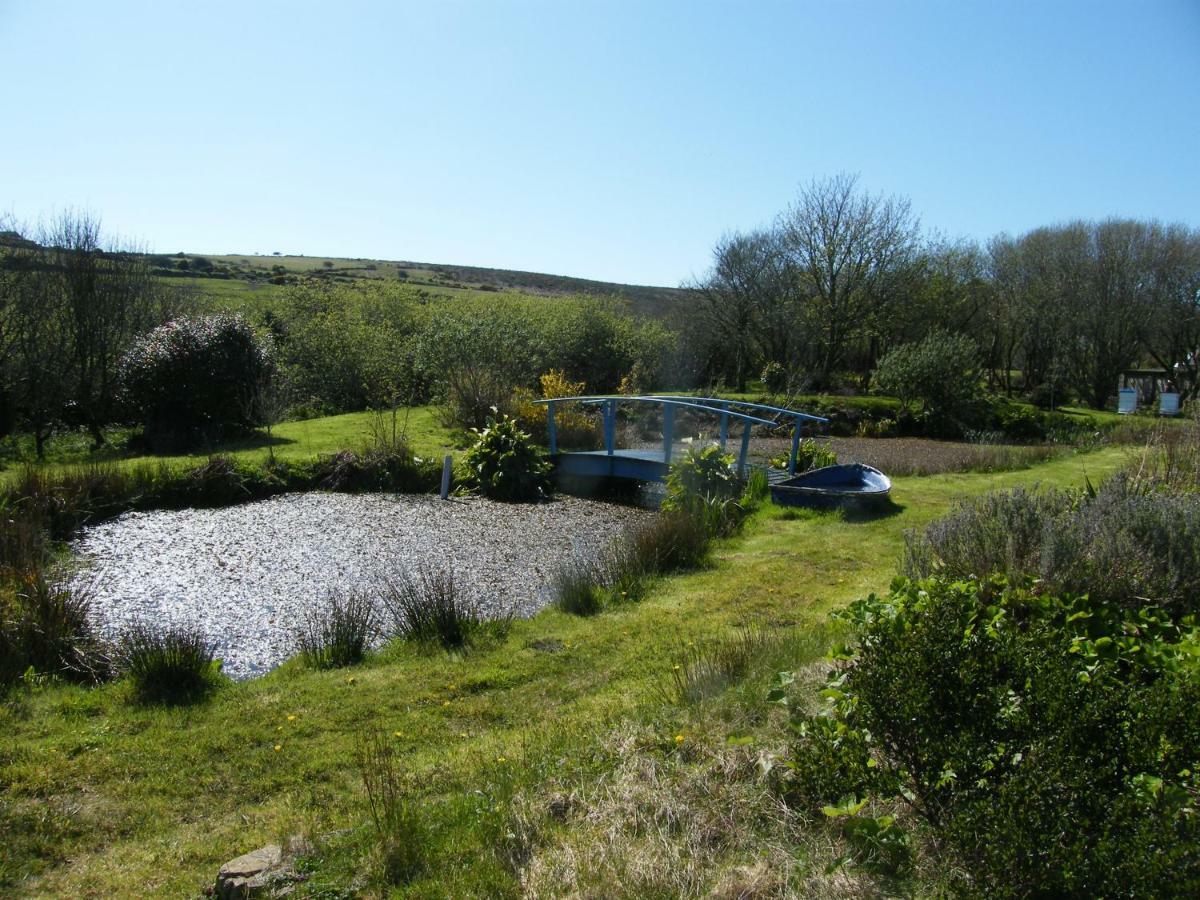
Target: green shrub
{"points": [[197, 379], [809, 455], [1122, 545], [505, 464], [338, 633], [941, 373], [701, 473], [1047, 743], [175, 664], [1019, 423]]}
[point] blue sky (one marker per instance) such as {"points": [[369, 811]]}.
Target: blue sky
{"points": [[610, 140]]}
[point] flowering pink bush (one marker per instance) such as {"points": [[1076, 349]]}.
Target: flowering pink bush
{"points": [[197, 379]]}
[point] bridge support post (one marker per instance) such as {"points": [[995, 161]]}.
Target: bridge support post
{"points": [[610, 426], [795, 447], [552, 430], [741, 469], [668, 431]]}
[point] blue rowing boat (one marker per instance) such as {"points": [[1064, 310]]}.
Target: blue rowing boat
{"points": [[851, 485]]}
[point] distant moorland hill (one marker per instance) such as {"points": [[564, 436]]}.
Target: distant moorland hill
{"points": [[440, 278]]}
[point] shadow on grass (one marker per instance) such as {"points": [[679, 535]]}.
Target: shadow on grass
{"points": [[885, 510]]}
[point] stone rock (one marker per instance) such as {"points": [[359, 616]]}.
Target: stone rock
{"points": [[251, 874]]}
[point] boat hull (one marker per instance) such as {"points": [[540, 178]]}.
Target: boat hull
{"points": [[854, 486]]}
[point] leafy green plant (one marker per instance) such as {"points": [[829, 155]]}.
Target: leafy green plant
{"points": [[809, 455], [1009, 718], [701, 473], [505, 464]]}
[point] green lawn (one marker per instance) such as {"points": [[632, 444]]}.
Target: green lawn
{"points": [[299, 440], [102, 798]]}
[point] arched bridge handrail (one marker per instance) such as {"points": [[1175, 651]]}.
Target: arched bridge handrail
{"points": [[669, 404], [808, 417], [672, 401]]}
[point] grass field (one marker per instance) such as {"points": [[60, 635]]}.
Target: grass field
{"points": [[300, 440], [104, 798]]}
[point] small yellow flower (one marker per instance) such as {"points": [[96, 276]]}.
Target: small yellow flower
{"points": [[349, 679], [399, 734], [501, 760], [679, 738], [677, 667], [279, 728], [291, 718], [452, 686], [445, 703], [462, 734], [278, 747]]}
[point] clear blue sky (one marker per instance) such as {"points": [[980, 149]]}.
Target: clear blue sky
{"points": [[609, 140]]}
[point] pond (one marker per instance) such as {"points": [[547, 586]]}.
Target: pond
{"points": [[246, 574]]}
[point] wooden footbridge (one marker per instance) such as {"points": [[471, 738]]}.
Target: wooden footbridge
{"points": [[653, 464]]}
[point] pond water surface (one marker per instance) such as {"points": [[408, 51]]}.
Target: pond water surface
{"points": [[246, 574]]}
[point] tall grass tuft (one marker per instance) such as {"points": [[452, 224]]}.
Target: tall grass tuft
{"points": [[338, 633], [707, 668], [175, 664], [673, 541], [431, 608], [577, 587], [44, 626], [399, 835]]}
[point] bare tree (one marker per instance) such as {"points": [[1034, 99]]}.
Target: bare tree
{"points": [[846, 249], [740, 300], [111, 296], [1173, 334]]}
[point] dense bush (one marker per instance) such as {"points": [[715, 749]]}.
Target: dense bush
{"points": [[575, 427], [1048, 743], [175, 664], [505, 464], [1124, 544], [346, 348], [941, 374], [197, 379]]}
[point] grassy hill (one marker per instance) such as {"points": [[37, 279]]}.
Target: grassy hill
{"points": [[241, 277]]}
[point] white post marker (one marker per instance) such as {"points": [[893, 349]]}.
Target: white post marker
{"points": [[446, 465]]}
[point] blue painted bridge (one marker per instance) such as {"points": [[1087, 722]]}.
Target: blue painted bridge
{"points": [[652, 464]]}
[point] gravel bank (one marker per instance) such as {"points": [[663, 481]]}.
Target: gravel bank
{"points": [[246, 573]]}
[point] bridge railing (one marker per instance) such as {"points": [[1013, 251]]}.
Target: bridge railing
{"points": [[717, 406]]}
